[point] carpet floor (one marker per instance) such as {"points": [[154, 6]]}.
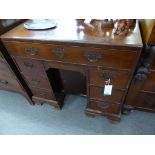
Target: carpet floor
{"points": [[18, 117]]}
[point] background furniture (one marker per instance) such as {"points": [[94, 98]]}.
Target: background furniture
{"points": [[142, 91], [97, 54], [10, 78]]}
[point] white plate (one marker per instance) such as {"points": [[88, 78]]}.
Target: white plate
{"points": [[40, 24]]}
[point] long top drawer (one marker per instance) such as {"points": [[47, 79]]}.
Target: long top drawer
{"points": [[74, 54]]}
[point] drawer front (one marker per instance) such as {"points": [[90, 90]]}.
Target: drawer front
{"points": [[4, 69], [37, 81], [9, 83], [149, 84], [98, 93], [80, 55], [119, 79], [30, 66], [41, 93], [104, 107], [145, 100]]}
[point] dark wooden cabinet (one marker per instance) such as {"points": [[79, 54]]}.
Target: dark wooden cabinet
{"points": [[141, 94], [98, 55], [9, 76]]}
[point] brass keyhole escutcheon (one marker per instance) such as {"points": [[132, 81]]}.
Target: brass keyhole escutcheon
{"points": [[103, 104], [28, 64], [36, 81], [106, 76], [42, 93]]}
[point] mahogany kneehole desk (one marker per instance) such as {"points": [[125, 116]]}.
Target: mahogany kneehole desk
{"points": [[97, 54]]}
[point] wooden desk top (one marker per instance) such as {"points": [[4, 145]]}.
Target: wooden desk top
{"points": [[69, 31]]}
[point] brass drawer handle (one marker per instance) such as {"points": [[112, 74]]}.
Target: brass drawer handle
{"points": [[42, 93], [106, 76], [28, 64], [93, 57], [103, 104], [59, 52], [36, 81], [4, 82], [32, 50]]}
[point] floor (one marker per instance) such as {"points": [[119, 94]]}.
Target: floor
{"points": [[18, 117]]}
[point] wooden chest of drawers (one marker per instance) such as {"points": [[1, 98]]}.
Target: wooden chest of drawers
{"points": [[141, 94], [97, 55], [9, 79]]}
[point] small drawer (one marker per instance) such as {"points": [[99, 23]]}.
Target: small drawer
{"points": [[30, 66], [149, 84], [104, 107], [37, 81], [9, 83], [41, 93], [119, 79], [4, 69], [97, 93], [74, 54]]}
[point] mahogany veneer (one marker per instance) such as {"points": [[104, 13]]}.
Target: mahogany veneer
{"points": [[96, 53]]}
